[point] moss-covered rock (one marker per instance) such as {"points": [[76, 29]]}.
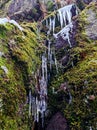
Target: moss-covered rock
{"points": [[81, 79], [19, 60]]}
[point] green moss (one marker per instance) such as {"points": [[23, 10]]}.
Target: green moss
{"points": [[21, 52], [81, 80]]}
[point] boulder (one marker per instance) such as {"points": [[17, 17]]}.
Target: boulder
{"points": [[58, 122]]}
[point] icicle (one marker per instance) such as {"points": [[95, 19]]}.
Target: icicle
{"points": [[72, 64], [33, 106], [54, 24], [53, 90], [70, 98], [64, 17], [30, 98], [90, 128], [47, 23], [56, 64], [67, 37], [49, 49], [69, 16], [64, 13], [61, 18], [50, 26], [51, 60], [16, 24], [37, 110]]}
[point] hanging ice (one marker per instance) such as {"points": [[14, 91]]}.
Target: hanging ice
{"points": [[49, 49], [64, 17], [44, 68], [56, 64], [51, 24], [30, 98], [6, 20], [90, 128], [64, 33], [70, 98], [16, 24]]}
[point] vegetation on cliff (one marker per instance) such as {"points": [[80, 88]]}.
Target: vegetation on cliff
{"points": [[81, 80], [19, 60]]}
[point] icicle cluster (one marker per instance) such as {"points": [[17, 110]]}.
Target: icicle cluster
{"points": [[38, 104], [64, 33], [64, 17], [51, 56]]}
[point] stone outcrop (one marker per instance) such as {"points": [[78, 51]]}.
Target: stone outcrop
{"points": [[21, 9], [91, 27], [58, 122]]}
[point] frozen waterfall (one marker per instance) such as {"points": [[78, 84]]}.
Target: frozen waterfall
{"points": [[62, 19]]}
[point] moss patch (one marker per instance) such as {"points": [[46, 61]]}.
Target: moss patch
{"points": [[18, 64]]}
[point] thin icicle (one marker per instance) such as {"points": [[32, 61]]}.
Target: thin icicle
{"points": [[49, 49], [47, 25], [50, 25], [56, 64], [65, 13], [64, 17], [54, 24], [51, 59], [30, 98], [61, 18], [16, 24], [70, 98], [91, 128], [69, 16]]}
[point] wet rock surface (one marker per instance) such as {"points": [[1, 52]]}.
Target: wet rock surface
{"points": [[91, 28], [58, 122], [21, 10]]}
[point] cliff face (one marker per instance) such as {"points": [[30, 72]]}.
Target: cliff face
{"points": [[30, 10], [72, 89], [21, 9]]}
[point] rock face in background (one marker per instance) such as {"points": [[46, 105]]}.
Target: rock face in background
{"points": [[91, 28], [31, 9], [25, 10], [58, 122], [21, 9], [87, 1]]}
